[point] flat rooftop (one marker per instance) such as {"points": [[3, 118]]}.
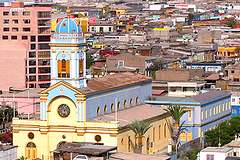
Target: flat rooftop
{"points": [[217, 149]]}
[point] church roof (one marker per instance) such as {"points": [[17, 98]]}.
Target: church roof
{"points": [[105, 84], [68, 25], [114, 81], [125, 116]]}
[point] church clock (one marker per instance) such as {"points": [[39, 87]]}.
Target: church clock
{"points": [[63, 110]]}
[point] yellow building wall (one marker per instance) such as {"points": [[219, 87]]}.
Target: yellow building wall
{"points": [[83, 21], [53, 24], [228, 51], [158, 138], [48, 134], [120, 12]]}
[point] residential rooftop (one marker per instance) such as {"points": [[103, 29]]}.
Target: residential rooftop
{"points": [[217, 149]]}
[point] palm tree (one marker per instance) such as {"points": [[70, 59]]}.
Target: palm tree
{"points": [[176, 112], [21, 158], [139, 128]]}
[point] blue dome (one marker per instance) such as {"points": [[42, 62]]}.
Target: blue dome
{"points": [[68, 25]]}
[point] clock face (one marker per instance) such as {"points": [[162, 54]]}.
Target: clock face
{"points": [[63, 110]]}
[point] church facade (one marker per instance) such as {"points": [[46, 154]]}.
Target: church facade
{"points": [[68, 107]]}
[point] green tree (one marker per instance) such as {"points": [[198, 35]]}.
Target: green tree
{"points": [[231, 23], [21, 158], [89, 60], [224, 133], [139, 128], [176, 112]]}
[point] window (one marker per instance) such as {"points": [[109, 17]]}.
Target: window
{"points": [[92, 29], [4, 37], [31, 151], [43, 54], [26, 21], [110, 29], [15, 29], [153, 133], [32, 62], [44, 14], [81, 67], [43, 46], [165, 130], [5, 13], [32, 78], [6, 21], [202, 115], [120, 64], [26, 29], [209, 157], [44, 38], [130, 102], [98, 111], [33, 38], [101, 29], [26, 13], [14, 13], [159, 132], [44, 70], [5, 29], [233, 99], [32, 54], [24, 37], [112, 107], [105, 109], [15, 21], [14, 37], [32, 70], [129, 144], [232, 71], [125, 104], [136, 100], [64, 68], [33, 46], [190, 115]]}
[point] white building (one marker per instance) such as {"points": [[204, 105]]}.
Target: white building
{"points": [[216, 153], [183, 89], [235, 145]]}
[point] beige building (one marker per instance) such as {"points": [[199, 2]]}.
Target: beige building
{"points": [[155, 139]]}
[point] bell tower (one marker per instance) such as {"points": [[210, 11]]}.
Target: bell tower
{"points": [[68, 60]]}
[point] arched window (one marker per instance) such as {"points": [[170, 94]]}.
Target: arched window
{"points": [[98, 111], [136, 100], [118, 106], [130, 102], [81, 67], [31, 151], [125, 104], [165, 130], [63, 68], [159, 132], [129, 144], [153, 133], [112, 107], [105, 109]]}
